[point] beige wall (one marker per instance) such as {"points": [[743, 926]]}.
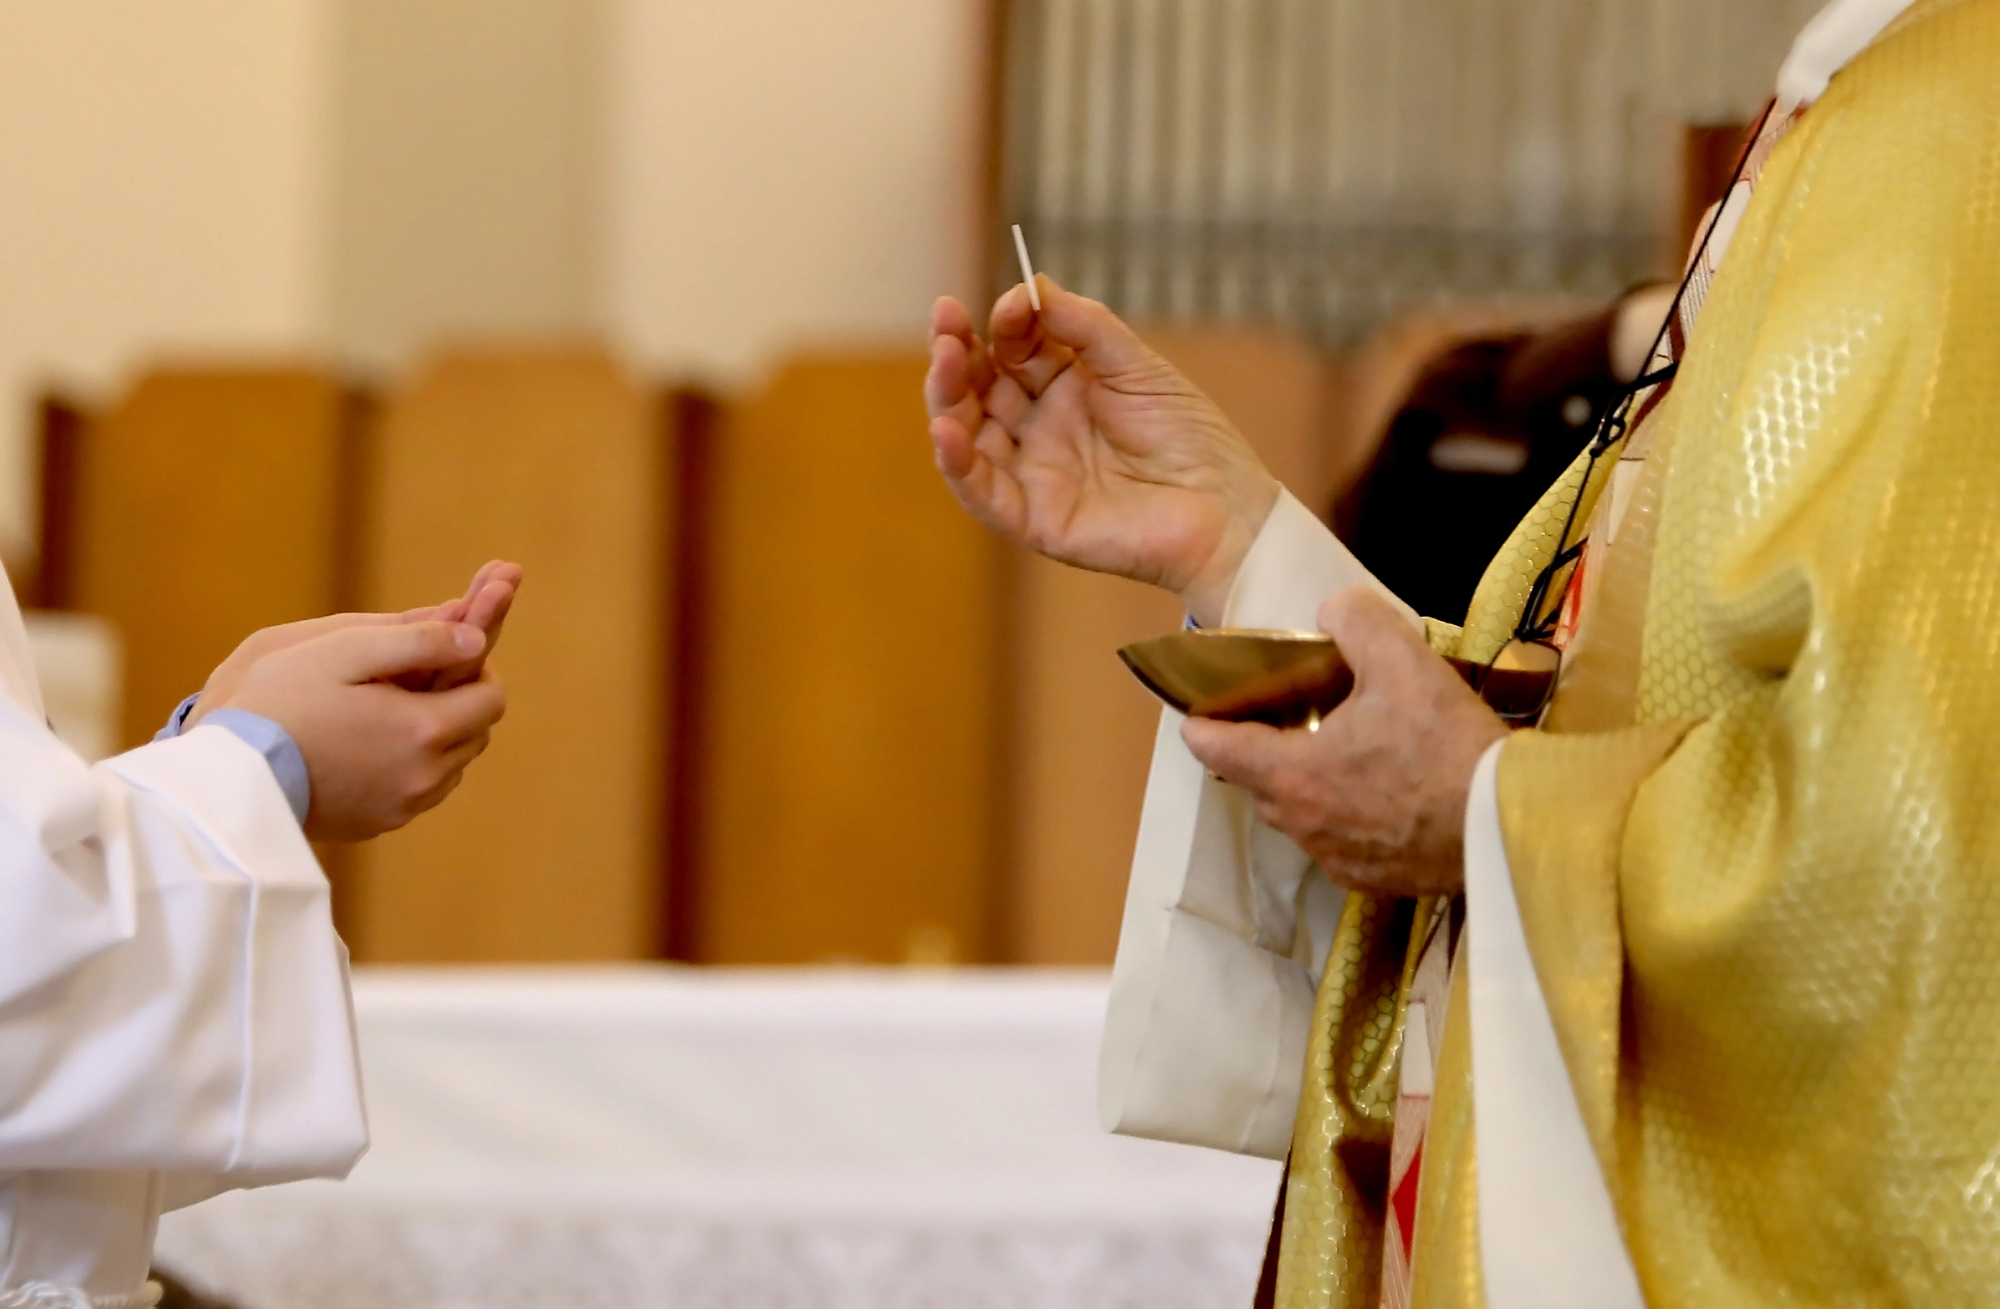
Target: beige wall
{"points": [[160, 189], [708, 183], [464, 197], [784, 172]]}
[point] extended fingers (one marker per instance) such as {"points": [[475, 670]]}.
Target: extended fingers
{"points": [[1022, 347], [956, 404], [489, 608], [948, 382], [952, 445], [491, 571], [960, 363], [273, 639], [479, 579], [488, 613], [986, 489], [389, 653], [972, 443], [485, 606], [451, 611], [950, 318]]}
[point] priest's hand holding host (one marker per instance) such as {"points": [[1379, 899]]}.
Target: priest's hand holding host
{"points": [[1066, 433], [1063, 431]]}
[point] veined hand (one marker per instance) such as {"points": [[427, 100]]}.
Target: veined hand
{"points": [[1377, 794], [1069, 435]]}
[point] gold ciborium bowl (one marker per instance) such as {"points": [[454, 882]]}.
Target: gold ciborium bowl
{"points": [[1286, 679], [1293, 679]]}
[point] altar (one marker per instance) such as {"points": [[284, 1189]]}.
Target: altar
{"points": [[659, 1136]]}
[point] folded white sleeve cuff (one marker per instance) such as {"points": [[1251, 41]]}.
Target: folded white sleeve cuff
{"points": [[1226, 923], [1292, 568]]}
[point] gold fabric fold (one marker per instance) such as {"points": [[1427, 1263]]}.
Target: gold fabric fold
{"points": [[1568, 893], [1445, 1264], [1766, 916], [1336, 1189], [1600, 673], [1754, 848]]}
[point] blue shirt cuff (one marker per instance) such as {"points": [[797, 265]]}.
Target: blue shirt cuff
{"points": [[177, 719], [280, 751]]}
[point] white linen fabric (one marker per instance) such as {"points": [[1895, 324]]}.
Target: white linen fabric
{"points": [[1828, 44], [174, 1018], [1548, 1235], [1224, 933], [651, 1135]]}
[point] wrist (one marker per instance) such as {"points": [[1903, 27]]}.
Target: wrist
{"points": [[1206, 594], [270, 738]]}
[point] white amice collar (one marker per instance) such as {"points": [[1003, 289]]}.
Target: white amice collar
{"points": [[1836, 34]]}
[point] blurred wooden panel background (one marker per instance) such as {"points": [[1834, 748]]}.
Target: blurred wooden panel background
{"points": [[850, 790], [210, 503], [550, 850], [774, 696], [1083, 727]]}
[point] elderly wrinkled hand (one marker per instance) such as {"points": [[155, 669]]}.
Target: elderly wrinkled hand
{"points": [[1066, 433], [1377, 795]]}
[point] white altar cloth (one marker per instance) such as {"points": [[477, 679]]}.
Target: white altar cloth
{"points": [[653, 1136]]}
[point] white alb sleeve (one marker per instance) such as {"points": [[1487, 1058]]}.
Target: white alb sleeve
{"points": [[173, 996], [1548, 1236], [1224, 933]]}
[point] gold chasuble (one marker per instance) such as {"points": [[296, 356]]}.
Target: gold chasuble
{"points": [[1756, 840]]}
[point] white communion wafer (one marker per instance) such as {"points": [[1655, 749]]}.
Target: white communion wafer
{"points": [[1027, 269]]}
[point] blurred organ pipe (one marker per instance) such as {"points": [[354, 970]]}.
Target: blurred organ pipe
{"points": [[1328, 164]]}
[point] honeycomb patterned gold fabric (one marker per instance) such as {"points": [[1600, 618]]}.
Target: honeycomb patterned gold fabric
{"points": [[1782, 1015], [1756, 860]]}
